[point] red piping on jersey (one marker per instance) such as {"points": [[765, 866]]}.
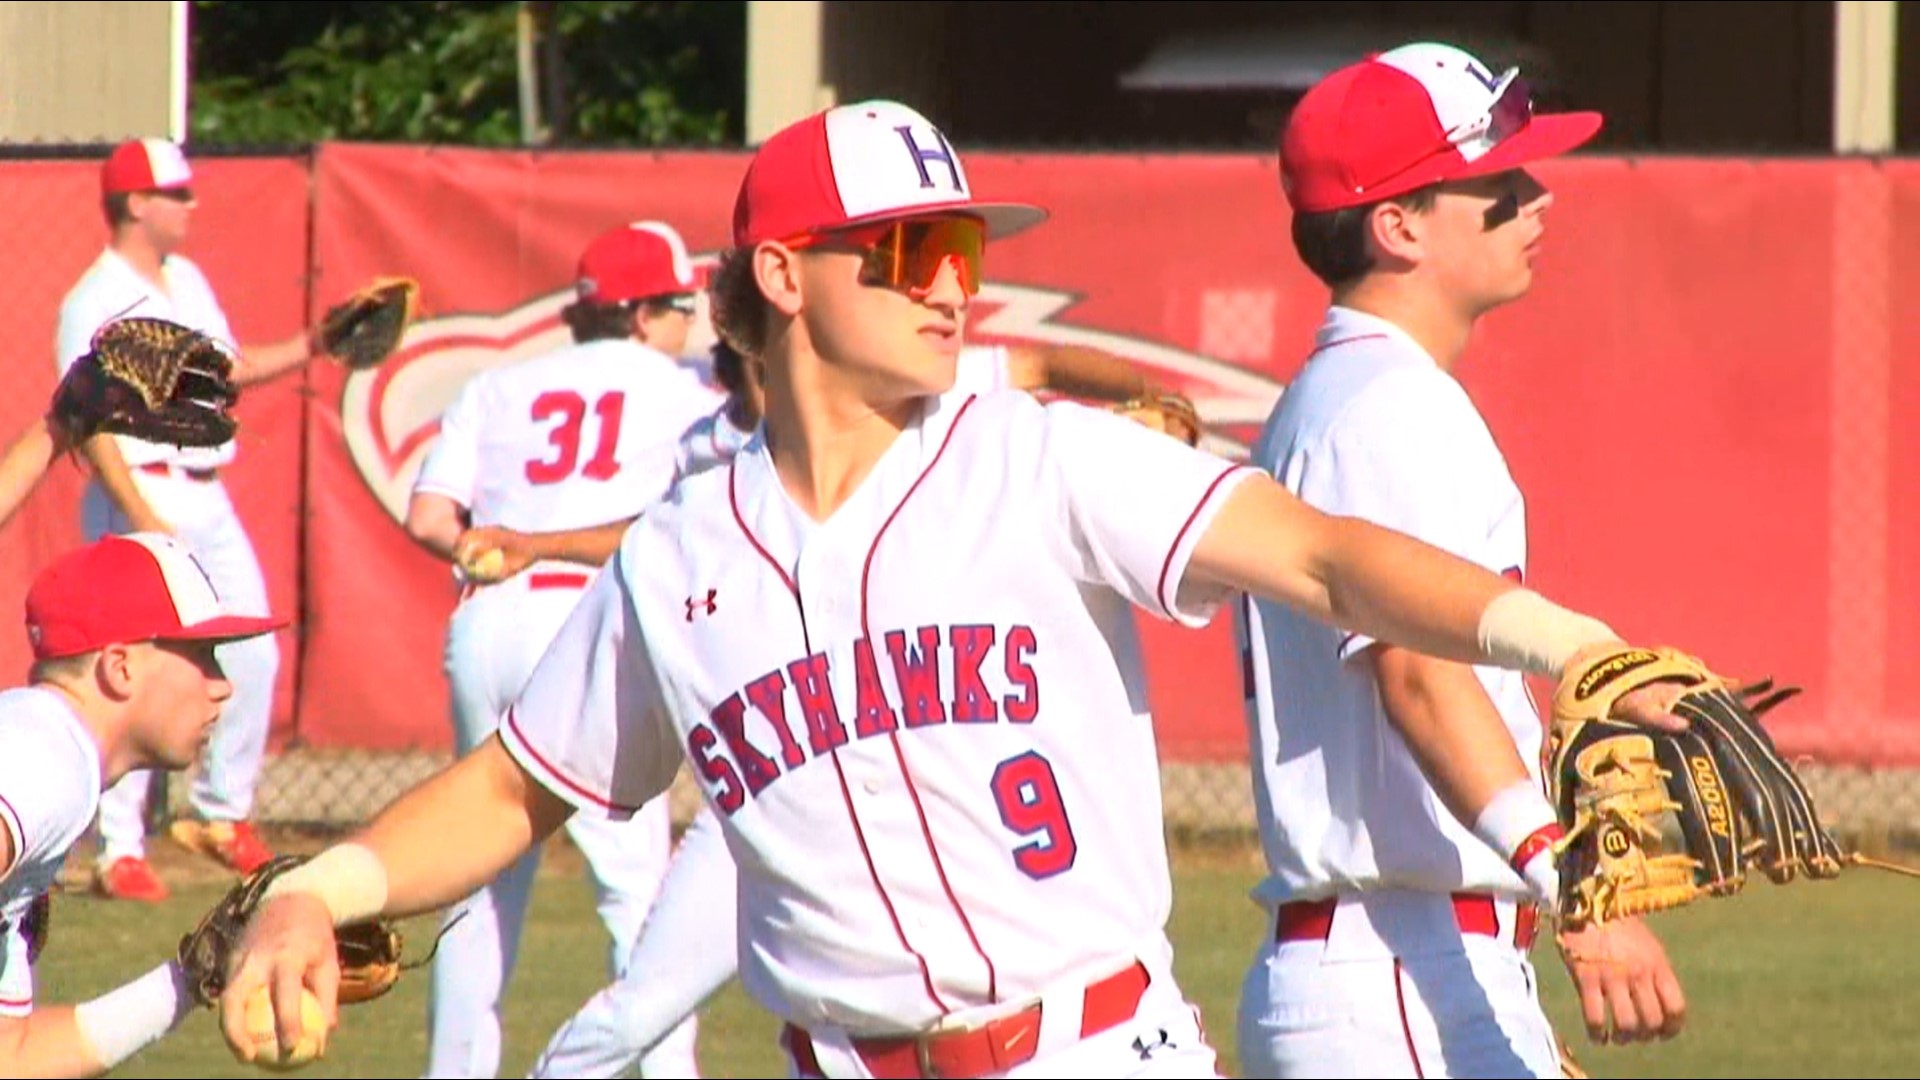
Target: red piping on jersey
{"points": [[568, 782], [846, 795], [19, 830], [899, 754], [1406, 1025], [733, 500], [1166, 567], [1337, 342], [15, 1003]]}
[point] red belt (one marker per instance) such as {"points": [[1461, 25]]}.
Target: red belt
{"points": [[995, 1046], [1477, 913], [160, 468], [548, 579]]}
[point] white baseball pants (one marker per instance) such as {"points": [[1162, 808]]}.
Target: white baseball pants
{"points": [[687, 950], [203, 517], [1396, 989], [494, 639]]}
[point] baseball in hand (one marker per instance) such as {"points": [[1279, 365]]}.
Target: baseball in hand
{"points": [[488, 565], [266, 1043]]}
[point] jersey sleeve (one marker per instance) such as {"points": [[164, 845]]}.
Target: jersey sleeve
{"points": [[44, 805], [217, 325], [1405, 456], [80, 317], [452, 466], [1134, 503], [591, 723]]}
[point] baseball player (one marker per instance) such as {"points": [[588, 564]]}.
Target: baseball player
{"points": [[887, 637], [684, 955], [148, 200], [1396, 790], [583, 434], [125, 676]]}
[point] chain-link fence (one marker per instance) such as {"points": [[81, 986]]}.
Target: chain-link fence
{"points": [[1206, 804]]}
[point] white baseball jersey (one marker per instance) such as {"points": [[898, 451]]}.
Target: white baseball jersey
{"points": [[922, 721], [572, 438], [111, 288], [49, 790], [1372, 428]]}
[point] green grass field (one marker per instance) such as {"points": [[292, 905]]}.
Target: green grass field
{"points": [[1803, 981]]}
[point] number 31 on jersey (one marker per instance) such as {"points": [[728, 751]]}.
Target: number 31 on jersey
{"points": [[567, 435]]}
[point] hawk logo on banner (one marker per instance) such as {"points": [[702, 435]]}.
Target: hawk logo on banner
{"points": [[390, 415]]}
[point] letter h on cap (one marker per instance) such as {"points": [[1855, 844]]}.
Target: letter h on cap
{"points": [[921, 156]]}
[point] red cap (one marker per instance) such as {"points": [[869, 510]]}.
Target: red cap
{"points": [[854, 164], [145, 165], [137, 587], [1414, 116], [636, 260]]}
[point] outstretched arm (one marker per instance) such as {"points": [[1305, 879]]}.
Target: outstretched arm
{"points": [[24, 465], [1075, 370], [1351, 573], [260, 363], [437, 843]]}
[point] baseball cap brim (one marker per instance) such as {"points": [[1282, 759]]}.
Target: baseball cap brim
{"points": [[227, 628], [1545, 136], [1003, 219]]}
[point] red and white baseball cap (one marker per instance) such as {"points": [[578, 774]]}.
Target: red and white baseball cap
{"points": [[145, 165], [137, 587], [854, 164], [636, 260], [1414, 116]]}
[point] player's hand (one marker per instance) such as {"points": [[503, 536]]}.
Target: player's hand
{"points": [[489, 553], [287, 945], [1628, 990], [1649, 706]]}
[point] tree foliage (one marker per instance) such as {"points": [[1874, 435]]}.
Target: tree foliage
{"points": [[630, 73]]}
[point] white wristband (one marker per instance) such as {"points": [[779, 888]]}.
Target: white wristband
{"points": [[349, 878], [1525, 631], [1520, 824], [119, 1023]]}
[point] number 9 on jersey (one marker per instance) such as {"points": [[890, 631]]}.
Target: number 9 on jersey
{"points": [[1029, 801]]}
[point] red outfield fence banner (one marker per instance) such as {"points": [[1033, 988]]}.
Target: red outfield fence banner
{"points": [[1711, 399]]}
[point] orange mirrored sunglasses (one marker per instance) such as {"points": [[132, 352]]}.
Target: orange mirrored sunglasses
{"points": [[908, 254]]}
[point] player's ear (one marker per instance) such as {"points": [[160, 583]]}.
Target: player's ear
{"points": [[776, 270], [1394, 232], [114, 669]]}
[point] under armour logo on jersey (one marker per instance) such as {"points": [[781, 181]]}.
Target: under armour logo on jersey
{"points": [[943, 154], [708, 603]]}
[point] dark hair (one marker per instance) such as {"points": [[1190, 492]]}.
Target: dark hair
{"points": [[729, 368], [114, 206], [1333, 243], [599, 322], [609, 322], [739, 308]]}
